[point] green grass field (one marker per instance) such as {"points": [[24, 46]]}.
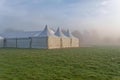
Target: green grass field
{"points": [[62, 64]]}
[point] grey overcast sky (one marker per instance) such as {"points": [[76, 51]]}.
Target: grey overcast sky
{"points": [[74, 14]]}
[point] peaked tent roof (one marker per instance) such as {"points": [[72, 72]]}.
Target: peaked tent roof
{"points": [[20, 34], [59, 33], [46, 32], [69, 34]]}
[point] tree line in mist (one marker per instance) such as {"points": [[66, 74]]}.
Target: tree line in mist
{"points": [[95, 38]]}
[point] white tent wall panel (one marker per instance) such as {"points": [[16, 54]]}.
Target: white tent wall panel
{"points": [[23, 43], [41, 42], [1, 43], [75, 42], [54, 43], [10, 43], [65, 42]]}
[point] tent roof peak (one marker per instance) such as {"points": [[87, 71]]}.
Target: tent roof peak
{"points": [[47, 32], [69, 34], [59, 33]]}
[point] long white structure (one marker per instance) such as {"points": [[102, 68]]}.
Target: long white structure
{"points": [[64, 40], [46, 39]]}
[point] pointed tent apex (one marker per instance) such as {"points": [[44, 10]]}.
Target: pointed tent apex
{"points": [[68, 31], [46, 27], [59, 33], [69, 34], [47, 32], [58, 29]]}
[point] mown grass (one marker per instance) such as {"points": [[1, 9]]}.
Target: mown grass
{"points": [[61, 64]]}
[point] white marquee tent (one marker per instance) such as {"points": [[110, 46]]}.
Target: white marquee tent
{"points": [[46, 39]]}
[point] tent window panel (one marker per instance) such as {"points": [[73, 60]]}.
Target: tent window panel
{"points": [[10, 43], [23, 43], [40, 42]]}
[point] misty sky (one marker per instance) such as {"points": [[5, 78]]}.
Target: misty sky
{"points": [[74, 14]]}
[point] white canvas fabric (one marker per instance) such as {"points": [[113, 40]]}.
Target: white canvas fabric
{"points": [[69, 34], [46, 39], [10, 43], [24, 43], [20, 34], [59, 33], [47, 32], [54, 43], [39, 42], [64, 41], [74, 42]]}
